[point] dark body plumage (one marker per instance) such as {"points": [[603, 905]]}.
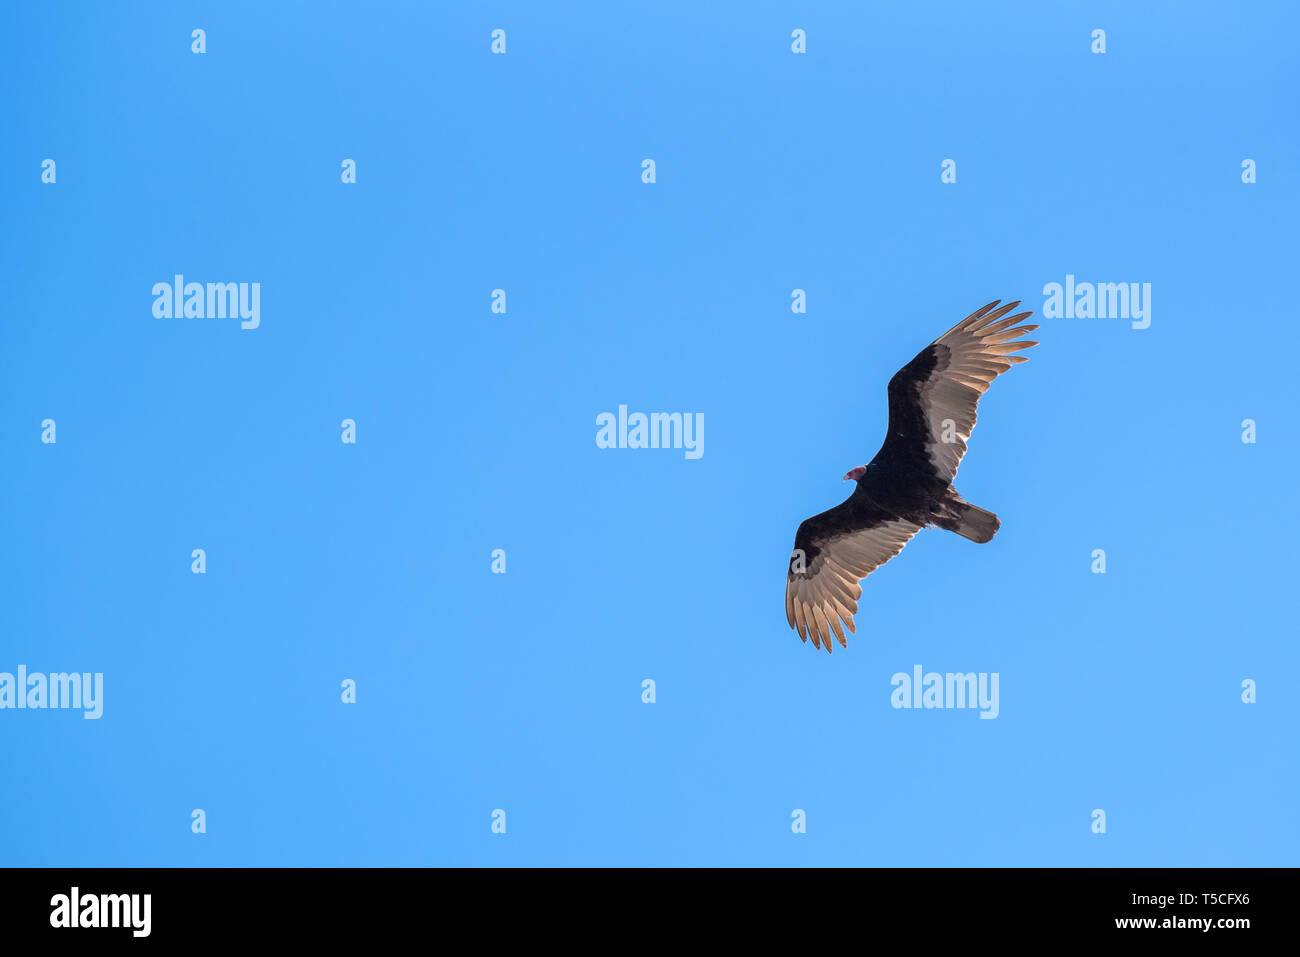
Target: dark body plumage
{"points": [[908, 484]]}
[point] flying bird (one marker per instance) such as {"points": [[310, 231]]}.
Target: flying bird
{"points": [[908, 485]]}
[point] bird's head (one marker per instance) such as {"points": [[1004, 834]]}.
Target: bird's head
{"points": [[856, 473]]}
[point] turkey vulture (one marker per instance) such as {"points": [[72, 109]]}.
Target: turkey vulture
{"points": [[908, 485]]}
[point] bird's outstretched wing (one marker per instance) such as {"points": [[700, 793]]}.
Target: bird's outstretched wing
{"points": [[932, 399], [834, 551]]}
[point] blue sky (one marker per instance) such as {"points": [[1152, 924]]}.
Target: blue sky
{"points": [[476, 431]]}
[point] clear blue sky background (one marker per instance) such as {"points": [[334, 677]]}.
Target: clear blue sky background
{"points": [[475, 431]]}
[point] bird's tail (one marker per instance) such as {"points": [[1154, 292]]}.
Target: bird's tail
{"points": [[967, 520]]}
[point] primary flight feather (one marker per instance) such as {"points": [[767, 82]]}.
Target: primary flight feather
{"points": [[908, 485]]}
